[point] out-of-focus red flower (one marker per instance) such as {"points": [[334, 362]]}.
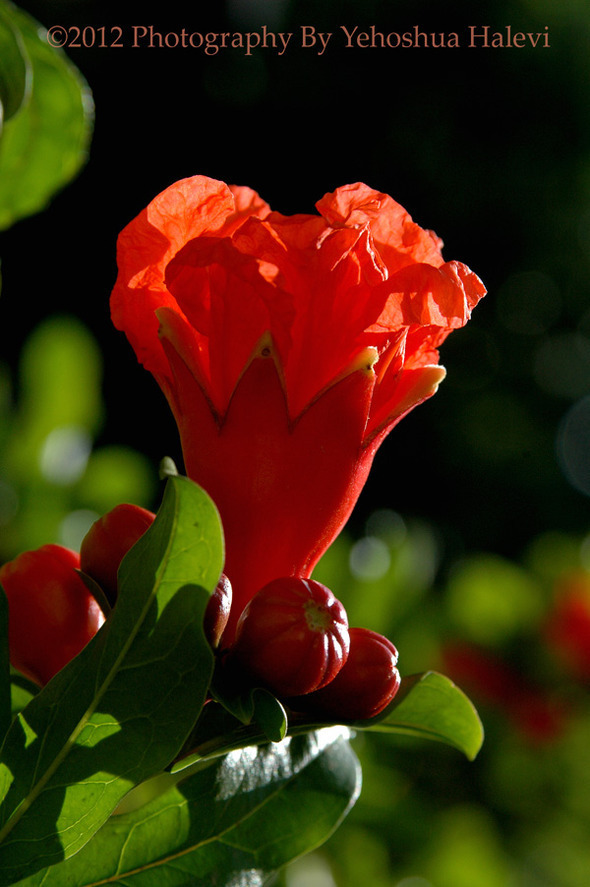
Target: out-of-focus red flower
{"points": [[287, 347], [567, 628], [538, 714]]}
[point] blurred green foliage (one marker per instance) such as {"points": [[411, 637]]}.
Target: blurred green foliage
{"points": [[54, 481], [14, 67], [47, 121], [520, 815]]}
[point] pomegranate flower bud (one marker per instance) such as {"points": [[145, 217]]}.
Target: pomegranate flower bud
{"points": [[217, 611], [52, 614], [292, 636], [366, 684], [110, 538], [107, 542]]}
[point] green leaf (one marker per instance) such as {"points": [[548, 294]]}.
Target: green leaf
{"points": [[120, 711], [216, 733], [5, 704], [233, 822], [269, 714], [427, 706], [430, 706], [44, 145], [15, 70], [250, 704]]}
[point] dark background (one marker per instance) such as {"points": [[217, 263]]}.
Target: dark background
{"points": [[487, 146]]}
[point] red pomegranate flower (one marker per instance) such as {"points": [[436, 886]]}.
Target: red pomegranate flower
{"points": [[287, 347]]}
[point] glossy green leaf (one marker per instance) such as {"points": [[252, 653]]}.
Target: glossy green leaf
{"points": [[15, 70], [232, 823], [5, 705], [120, 711], [430, 706], [218, 732], [269, 714], [46, 142], [427, 706]]}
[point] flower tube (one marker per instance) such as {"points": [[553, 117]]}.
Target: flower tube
{"points": [[287, 347]]}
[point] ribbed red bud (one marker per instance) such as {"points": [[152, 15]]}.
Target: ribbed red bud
{"points": [[366, 684], [292, 636]]}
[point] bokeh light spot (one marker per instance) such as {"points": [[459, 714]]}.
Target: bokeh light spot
{"points": [[311, 871], [64, 455], [388, 525], [573, 445], [369, 559]]}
